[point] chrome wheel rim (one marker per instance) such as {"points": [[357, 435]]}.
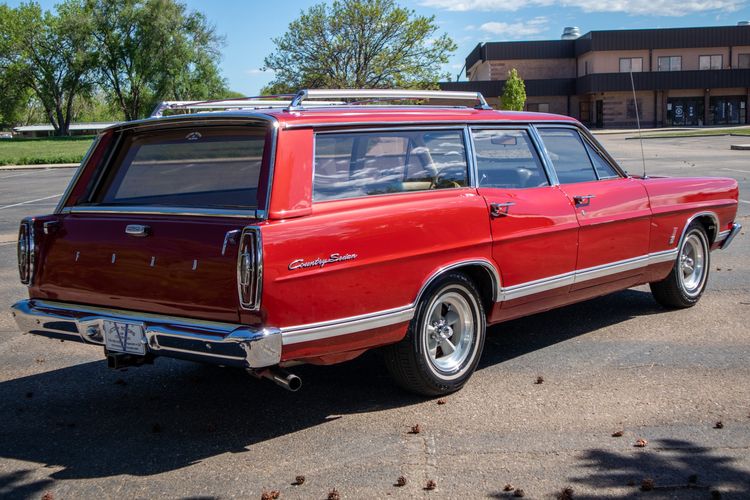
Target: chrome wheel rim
{"points": [[449, 332], [692, 264]]}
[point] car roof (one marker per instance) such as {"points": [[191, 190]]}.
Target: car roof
{"points": [[363, 115]]}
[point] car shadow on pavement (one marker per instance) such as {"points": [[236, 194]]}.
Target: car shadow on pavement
{"points": [[670, 468], [92, 422], [518, 337]]}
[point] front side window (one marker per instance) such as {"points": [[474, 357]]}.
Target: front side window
{"points": [[603, 169], [354, 164], [568, 153], [710, 62], [669, 63], [206, 167], [507, 159]]}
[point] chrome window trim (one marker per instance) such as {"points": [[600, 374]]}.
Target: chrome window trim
{"points": [[458, 128], [155, 210], [528, 128], [546, 159], [178, 121], [471, 158], [77, 175]]}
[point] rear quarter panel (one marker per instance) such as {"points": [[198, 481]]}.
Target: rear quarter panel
{"points": [[675, 200]]}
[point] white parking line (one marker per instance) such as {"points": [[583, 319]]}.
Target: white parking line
{"points": [[745, 201], [31, 201], [735, 170], [19, 174]]}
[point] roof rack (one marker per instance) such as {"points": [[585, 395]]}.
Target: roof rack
{"points": [[256, 102], [294, 102], [385, 95]]}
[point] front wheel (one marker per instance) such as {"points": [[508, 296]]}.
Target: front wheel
{"points": [[687, 281], [445, 339]]}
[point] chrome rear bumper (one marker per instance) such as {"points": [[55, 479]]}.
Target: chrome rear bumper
{"points": [[211, 342], [729, 237]]}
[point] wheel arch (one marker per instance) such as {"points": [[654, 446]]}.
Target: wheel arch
{"points": [[480, 271], [710, 222]]}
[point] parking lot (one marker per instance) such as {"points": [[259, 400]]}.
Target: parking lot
{"points": [[619, 363]]}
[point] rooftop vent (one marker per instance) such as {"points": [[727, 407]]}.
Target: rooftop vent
{"points": [[570, 33], [743, 23]]}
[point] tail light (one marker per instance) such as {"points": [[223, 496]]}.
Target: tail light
{"points": [[26, 251], [250, 268]]}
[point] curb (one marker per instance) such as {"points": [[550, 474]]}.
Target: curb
{"points": [[740, 147], [44, 166]]}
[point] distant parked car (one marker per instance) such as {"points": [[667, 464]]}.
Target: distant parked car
{"points": [[264, 238], [6, 135]]}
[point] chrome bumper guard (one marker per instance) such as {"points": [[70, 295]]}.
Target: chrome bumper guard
{"points": [[732, 233], [186, 338]]}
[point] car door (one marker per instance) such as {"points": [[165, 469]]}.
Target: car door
{"points": [[533, 224], [613, 210]]}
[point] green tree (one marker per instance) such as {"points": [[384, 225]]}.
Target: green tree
{"points": [[154, 50], [50, 54], [514, 92], [358, 44]]}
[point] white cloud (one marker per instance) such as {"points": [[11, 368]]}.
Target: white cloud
{"points": [[631, 7], [511, 31], [258, 71]]}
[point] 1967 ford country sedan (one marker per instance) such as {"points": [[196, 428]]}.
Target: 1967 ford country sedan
{"points": [[262, 236]]}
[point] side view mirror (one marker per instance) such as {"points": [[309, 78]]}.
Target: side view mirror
{"points": [[504, 140]]}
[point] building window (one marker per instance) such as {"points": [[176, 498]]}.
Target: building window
{"points": [[743, 61], [541, 107], [669, 63], [711, 62], [628, 64]]}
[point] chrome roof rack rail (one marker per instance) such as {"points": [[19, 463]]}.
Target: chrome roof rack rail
{"points": [[257, 102], [384, 94]]}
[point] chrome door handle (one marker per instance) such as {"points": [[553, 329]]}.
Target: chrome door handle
{"points": [[500, 209], [583, 199], [138, 230], [230, 237]]}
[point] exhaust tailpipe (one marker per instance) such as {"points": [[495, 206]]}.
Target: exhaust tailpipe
{"points": [[280, 377]]}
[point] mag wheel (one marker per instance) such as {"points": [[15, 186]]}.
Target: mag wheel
{"points": [[444, 341], [687, 281]]}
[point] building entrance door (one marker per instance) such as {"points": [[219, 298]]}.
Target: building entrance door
{"points": [[685, 111], [599, 114], [727, 110]]}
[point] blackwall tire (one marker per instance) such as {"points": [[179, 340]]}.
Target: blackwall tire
{"points": [[444, 341], [687, 280]]}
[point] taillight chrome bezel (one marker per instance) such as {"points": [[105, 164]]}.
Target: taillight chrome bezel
{"points": [[26, 251], [250, 268]]}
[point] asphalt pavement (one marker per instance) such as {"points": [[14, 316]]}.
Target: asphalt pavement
{"points": [[617, 364]]}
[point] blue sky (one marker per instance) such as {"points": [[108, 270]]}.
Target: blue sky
{"points": [[249, 25]]}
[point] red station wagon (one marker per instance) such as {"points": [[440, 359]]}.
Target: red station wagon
{"points": [[266, 237]]}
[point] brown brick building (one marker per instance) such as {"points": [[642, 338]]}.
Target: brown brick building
{"points": [[682, 76]]}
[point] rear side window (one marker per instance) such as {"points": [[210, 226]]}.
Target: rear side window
{"points": [[355, 164], [568, 154], [507, 159], [209, 167]]}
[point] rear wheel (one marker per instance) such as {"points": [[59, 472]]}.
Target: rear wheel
{"points": [[444, 341], [687, 281]]}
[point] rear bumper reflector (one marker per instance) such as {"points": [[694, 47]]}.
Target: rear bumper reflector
{"points": [[218, 343]]}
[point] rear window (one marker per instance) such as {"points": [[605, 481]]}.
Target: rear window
{"points": [[209, 167]]}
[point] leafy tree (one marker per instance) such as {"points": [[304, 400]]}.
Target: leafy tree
{"points": [[153, 50], [50, 54], [358, 44], [514, 92]]}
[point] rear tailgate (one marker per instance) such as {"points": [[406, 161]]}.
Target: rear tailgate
{"points": [[177, 269], [154, 223]]}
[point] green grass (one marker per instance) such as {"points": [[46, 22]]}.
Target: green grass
{"points": [[44, 150], [696, 133]]}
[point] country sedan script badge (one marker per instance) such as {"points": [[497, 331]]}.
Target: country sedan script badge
{"points": [[335, 257]]}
